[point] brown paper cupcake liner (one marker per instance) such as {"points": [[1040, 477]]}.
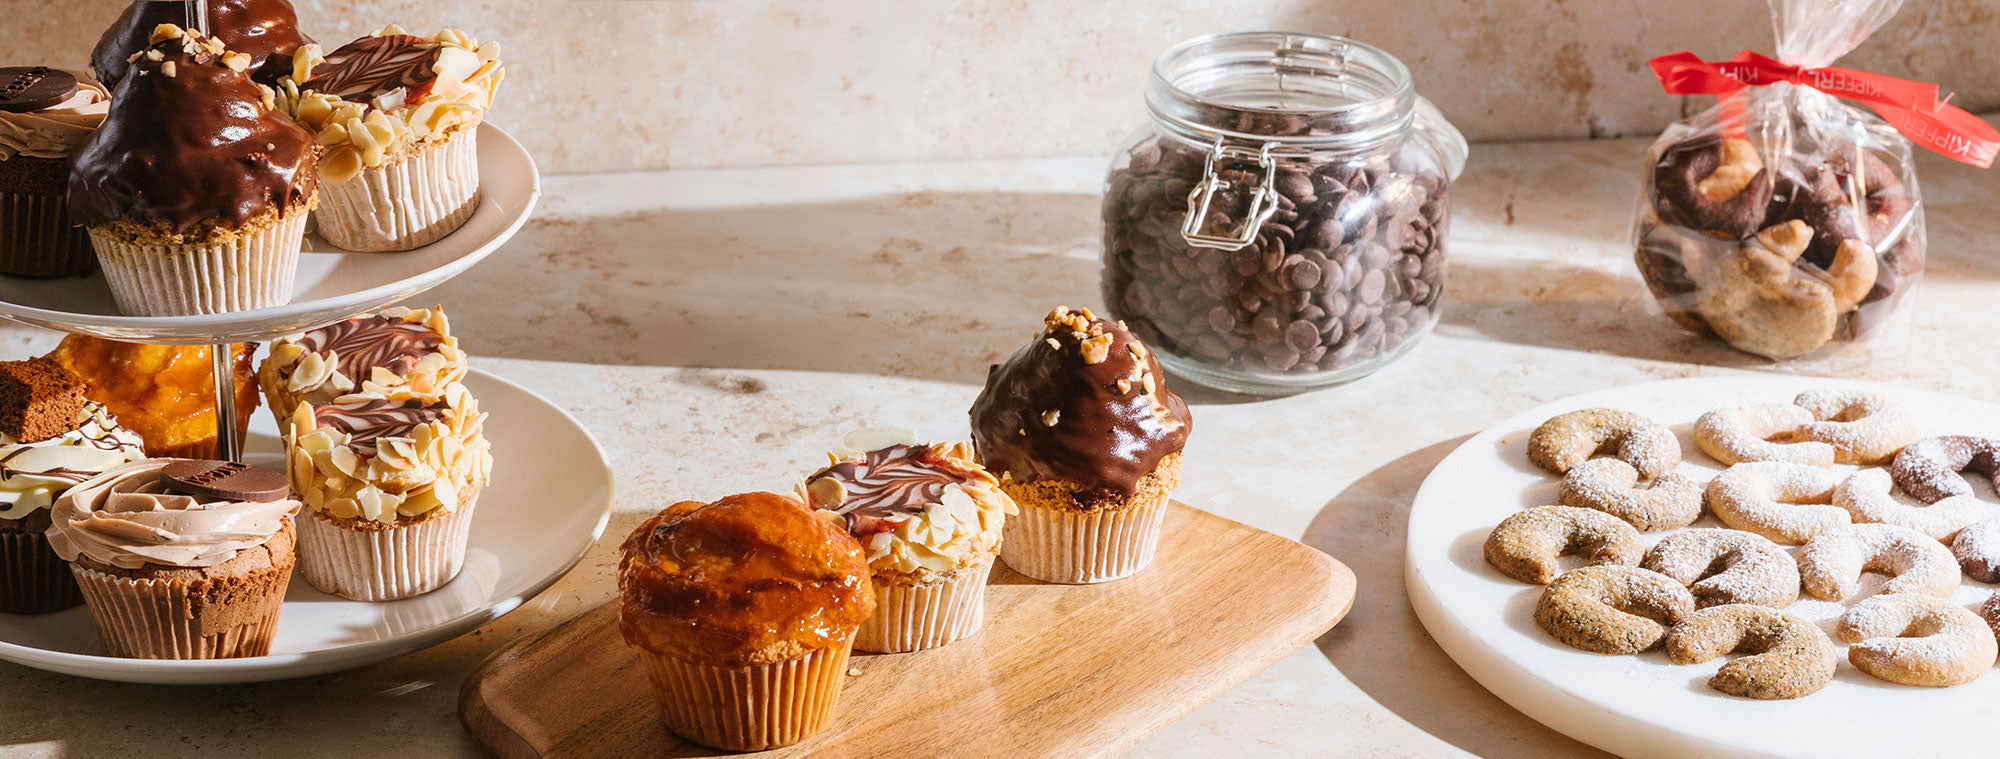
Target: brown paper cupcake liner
{"points": [[1079, 547], [747, 708], [37, 238], [33, 579], [384, 565], [914, 617], [151, 618], [251, 271], [410, 202]]}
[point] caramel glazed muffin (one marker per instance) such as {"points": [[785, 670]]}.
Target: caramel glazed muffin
{"points": [[389, 489], [930, 519], [195, 191], [1086, 437], [400, 354]]}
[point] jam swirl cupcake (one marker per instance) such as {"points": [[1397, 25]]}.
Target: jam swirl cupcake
{"points": [[45, 116], [1086, 437], [398, 116], [929, 518], [398, 354], [389, 489]]}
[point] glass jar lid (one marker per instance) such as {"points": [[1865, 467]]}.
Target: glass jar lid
{"points": [[1306, 90]]}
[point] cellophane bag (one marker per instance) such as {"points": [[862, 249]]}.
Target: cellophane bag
{"points": [[1786, 223]]}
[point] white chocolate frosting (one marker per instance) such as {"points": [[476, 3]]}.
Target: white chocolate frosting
{"points": [[389, 460], [58, 130], [920, 509], [33, 474], [126, 518]]}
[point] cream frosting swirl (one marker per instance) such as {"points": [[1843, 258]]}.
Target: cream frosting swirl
{"points": [[58, 130], [33, 474], [126, 518], [915, 508]]}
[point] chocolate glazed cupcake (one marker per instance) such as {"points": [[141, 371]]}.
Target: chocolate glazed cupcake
{"points": [[265, 30], [1087, 439], [195, 190], [45, 116]]}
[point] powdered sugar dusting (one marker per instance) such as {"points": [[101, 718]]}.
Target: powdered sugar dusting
{"points": [[1918, 640], [1832, 562], [1784, 502], [1744, 433], [1727, 567], [1977, 548], [1863, 428], [1612, 486], [1928, 468], [1569, 439], [1867, 496]]}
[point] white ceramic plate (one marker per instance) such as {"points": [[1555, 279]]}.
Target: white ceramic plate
{"points": [[1644, 706], [332, 284], [548, 502]]}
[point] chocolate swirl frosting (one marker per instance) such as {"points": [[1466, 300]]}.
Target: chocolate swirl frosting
{"points": [[1084, 402], [371, 67], [368, 421], [189, 139], [265, 30], [366, 342], [887, 482]]}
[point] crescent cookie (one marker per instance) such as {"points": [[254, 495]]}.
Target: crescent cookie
{"points": [[1863, 428], [1928, 469], [1867, 496], [1918, 640], [1830, 567], [1789, 657], [1759, 433], [1525, 546], [1612, 609], [1787, 503], [1724, 567], [1568, 439], [1990, 611], [1978, 549], [1612, 486]]}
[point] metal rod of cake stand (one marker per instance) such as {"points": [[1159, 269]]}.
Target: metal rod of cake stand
{"points": [[227, 446], [199, 9]]}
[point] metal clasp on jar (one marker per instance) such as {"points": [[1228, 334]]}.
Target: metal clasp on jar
{"points": [[1263, 202]]}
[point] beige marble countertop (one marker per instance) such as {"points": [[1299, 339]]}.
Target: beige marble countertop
{"points": [[717, 330]]}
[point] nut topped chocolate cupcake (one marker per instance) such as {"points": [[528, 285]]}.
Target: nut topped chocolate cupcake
{"points": [[195, 190], [45, 116], [398, 354], [265, 30], [1086, 437]]}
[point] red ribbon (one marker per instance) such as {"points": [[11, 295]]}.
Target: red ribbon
{"points": [[1911, 107]]}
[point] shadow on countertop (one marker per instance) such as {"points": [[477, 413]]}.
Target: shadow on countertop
{"points": [[1384, 650]]}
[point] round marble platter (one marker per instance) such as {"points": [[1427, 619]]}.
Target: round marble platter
{"points": [[549, 500], [1644, 706], [332, 284]]}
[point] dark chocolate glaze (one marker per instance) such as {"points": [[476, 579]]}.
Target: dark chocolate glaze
{"points": [[1104, 438], [265, 30], [195, 146]]}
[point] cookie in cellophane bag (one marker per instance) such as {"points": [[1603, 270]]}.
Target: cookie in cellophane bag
{"points": [[1785, 221]]}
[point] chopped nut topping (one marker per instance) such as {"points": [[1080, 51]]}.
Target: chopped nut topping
{"points": [[826, 492], [1148, 382], [1050, 416], [167, 69], [236, 61], [1124, 386], [1053, 345], [1096, 349]]}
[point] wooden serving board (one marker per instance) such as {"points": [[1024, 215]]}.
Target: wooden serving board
{"points": [[1058, 670]]}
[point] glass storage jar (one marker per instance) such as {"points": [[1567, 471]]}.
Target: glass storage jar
{"points": [[1280, 224]]}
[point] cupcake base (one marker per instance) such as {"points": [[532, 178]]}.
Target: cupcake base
{"points": [[1081, 547], [248, 271], [914, 617], [412, 201], [37, 238], [359, 560], [222, 612], [747, 708], [33, 579]]}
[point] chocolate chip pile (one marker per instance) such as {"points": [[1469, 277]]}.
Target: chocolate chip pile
{"points": [[1348, 269]]}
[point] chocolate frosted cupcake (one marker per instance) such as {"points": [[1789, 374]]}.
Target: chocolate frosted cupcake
{"points": [[51, 438], [1086, 437], [743, 612], [398, 116], [45, 116], [178, 558], [399, 354], [929, 518], [389, 489], [195, 190], [265, 30]]}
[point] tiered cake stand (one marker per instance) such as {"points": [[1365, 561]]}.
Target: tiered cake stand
{"points": [[531, 437]]}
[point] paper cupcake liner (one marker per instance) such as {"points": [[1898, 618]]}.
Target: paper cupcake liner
{"points": [[747, 708], [158, 619], [406, 203], [916, 617], [33, 579], [384, 565], [1073, 547], [37, 238], [249, 272]]}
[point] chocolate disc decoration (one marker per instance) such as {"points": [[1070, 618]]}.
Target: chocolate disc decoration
{"points": [[227, 480], [32, 88]]}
